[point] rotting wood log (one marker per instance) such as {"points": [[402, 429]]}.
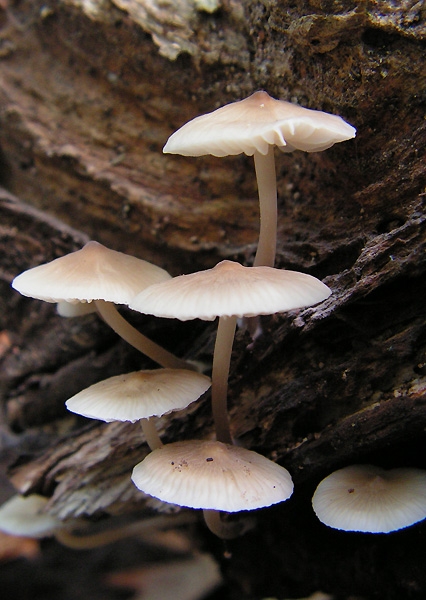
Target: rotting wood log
{"points": [[89, 93]]}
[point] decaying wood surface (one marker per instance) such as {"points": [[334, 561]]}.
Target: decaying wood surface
{"points": [[90, 91]]}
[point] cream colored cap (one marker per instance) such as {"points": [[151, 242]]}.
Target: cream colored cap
{"points": [[92, 273], [230, 289], [24, 516], [212, 475], [255, 123], [370, 499], [139, 395]]}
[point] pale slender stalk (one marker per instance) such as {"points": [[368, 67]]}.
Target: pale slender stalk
{"points": [[112, 317], [228, 530], [267, 187], [145, 527], [221, 362], [151, 434], [89, 541]]}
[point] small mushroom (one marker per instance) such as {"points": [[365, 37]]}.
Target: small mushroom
{"points": [[253, 126], [102, 276], [218, 478], [27, 516], [211, 475], [229, 291], [367, 498], [139, 396]]}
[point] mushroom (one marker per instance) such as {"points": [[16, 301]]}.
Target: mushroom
{"points": [[102, 276], [27, 516], [253, 126], [367, 498], [229, 291], [214, 477], [139, 396]]}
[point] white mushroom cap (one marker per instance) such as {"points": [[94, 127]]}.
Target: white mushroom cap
{"points": [[212, 475], [139, 395], [230, 289], [370, 499], [253, 124], [25, 517], [92, 273]]}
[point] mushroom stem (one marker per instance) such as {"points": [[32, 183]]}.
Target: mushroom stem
{"points": [[264, 165], [87, 541], [151, 434], [221, 362], [227, 530], [112, 317]]}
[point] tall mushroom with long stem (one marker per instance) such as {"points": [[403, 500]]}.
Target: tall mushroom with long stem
{"points": [[105, 277], [253, 126], [229, 291]]}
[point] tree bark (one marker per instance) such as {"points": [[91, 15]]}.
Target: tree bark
{"points": [[90, 92]]}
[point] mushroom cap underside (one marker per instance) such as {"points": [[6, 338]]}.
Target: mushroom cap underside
{"points": [[254, 124], [230, 289]]}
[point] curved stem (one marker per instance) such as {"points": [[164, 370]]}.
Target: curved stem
{"points": [[227, 530], [151, 434], [112, 317], [267, 186], [221, 361], [87, 541]]}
